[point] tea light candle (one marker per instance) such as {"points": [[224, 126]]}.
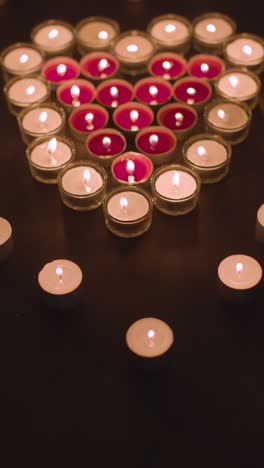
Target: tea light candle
{"points": [[99, 66], [180, 118], [112, 93], [260, 224], [132, 168], [175, 189], [193, 91], [208, 155], [128, 212], [96, 33], [48, 156], [20, 59], [171, 32], [6, 239], [238, 278], [133, 50], [240, 85], [59, 69], [85, 119], [21, 92], [39, 120], [149, 339], [132, 116], [231, 120], [246, 50], [158, 143], [105, 145], [206, 66], [82, 185], [60, 282], [73, 93], [212, 31], [54, 37], [153, 91], [167, 65]]}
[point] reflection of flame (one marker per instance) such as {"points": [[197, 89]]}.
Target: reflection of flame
{"points": [[239, 267], [176, 179], [61, 69], [247, 49], [130, 167], [132, 48], [170, 28], [30, 90], [24, 58], [53, 33], [43, 117], [59, 273], [107, 142], [103, 64], [204, 67], [153, 139], [103, 35], [124, 203], [211, 28]]}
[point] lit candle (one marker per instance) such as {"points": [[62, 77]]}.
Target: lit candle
{"points": [[180, 118], [112, 93], [167, 65], [211, 32], [60, 69], [39, 120], [6, 239], [73, 93], [153, 91], [239, 84], [158, 143], [171, 32], [260, 224], [133, 50], [54, 37], [246, 50], [132, 116], [85, 119], [132, 168], [20, 59], [96, 33], [22, 92], [105, 145], [99, 66], [193, 91], [206, 66]]}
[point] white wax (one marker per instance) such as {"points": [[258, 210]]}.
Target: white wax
{"points": [[5, 231], [89, 33], [248, 277], [73, 181], [180, 34], [149, 337], [18, 91], [238, 85], [143, 46], [52, 283], [237, 51], [137, 206], [13, 64], [55, 42], [223, 30], [232, 118], [165, 187], [32, 124], [41, 156], [260, 215], [215, 153]]}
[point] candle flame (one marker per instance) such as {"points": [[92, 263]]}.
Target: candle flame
{"points": [[166, 65], [153, 139], [59, 273], [153, 90], [204, 67], [221, 114], [170, 28], [103, 35], [247, 49], [233, 80], [211, 28], [114, 91], [103, 64], [130, 167], [201, 151], [43, 117], [24, 58], [86, 179], [75, 92], [191, 91], [53, 33], [61, 69], [134, 115], [132, 48], [179, 119], [107, 142], [89, 117], [239, 267], [151, 334], [123, 203], [30, 90], [176, 179], [52, 146]]}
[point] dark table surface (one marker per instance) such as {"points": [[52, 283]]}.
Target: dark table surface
{"points": [[69, 396]]}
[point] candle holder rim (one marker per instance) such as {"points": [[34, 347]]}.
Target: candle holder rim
{"points": [[177, 167], [102, 131], [218, 101], [129, 188], [237, 69], [53, 21], [213, 14], [50, 105], [126, 182], [157, 128], [207, 136], [13, 80], [68, 83], [81, 107], [98, 167], [38, 141], [17, 45], [97, 55], [179, 104], [90, 19]]}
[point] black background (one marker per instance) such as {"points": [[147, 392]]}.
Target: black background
{"points": [[69, 396]]}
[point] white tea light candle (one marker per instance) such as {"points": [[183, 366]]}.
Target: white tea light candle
{"points": [[39, 120], [240, 85], [133, 49], [211, 32], [6, 239], [54, 37], [21, 92], [171, 32], [96, 33], [21, 59], [246, 50]]}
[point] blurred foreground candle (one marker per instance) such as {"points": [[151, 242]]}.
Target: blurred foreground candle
{"points": [[48, 156], [105, 145], [209, 155], [60, 282], [240, 85], [171, 32], [205, 66], [96, 33], [193, 91], [85, 119], [175, 189], [21, 92], [132, 168], [167, 65], [54, 37], [6, 239], [212, 31], [99, 66], [158, 143], [260, 224], [128, 211], [180, 118], [112, 93], [73, 93], [20, 59], [59, 69], [82, 185], [245, 50], [238, 278], [133, 50], [153, 91], [39, 120], [229, 119], [132, 116]]}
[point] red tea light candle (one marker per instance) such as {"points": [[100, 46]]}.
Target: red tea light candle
{"points": [[105, 145], [132, 168], [134, 49], [133, 116], [193, 91], [20, 59], [245, 50], [167, 65], [158, 143], [180, 118], [212, 31], [153, 91], [171, 32], [60, 69], [206, 66], [96, 33], [99, 66], [86, 119], [113, 93], [74, 93], [54, 37]]}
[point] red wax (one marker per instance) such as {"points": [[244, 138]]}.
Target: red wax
{"points": [[178, 65], [142, 170], [95, 144], [87, 92], [90, 65], [205, 66], [78, 122], [192, 90], [122, 116], [166, 141], [161, 95], [104, 96], [50, 69], [177, 116]]}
